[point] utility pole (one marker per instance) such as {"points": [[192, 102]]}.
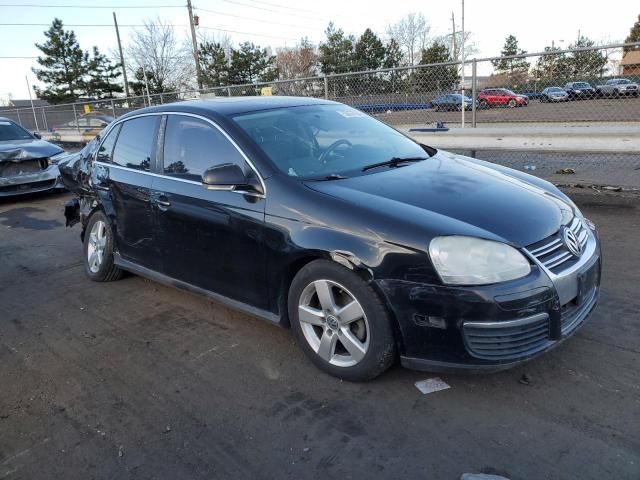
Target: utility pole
{"points": [[453, 37], [464, 105], [124, 70], [35, 119], [195, 44]]}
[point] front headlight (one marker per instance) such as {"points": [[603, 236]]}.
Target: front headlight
{"points": [[54, 159], [473, 261]]}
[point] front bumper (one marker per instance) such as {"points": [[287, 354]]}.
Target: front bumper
{"points": [[493, 327], [42, 181]]}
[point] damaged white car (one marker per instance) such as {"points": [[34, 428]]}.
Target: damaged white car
{"points": [[27, 163]]}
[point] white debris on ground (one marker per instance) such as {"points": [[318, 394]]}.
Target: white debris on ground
{"points": [[431, 385]]}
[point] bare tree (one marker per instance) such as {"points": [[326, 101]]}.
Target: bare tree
{"points": [[167, 62], [411, 33], [297, 62]]}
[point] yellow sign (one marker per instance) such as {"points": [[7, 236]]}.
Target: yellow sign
{"points": [[87, 109], [266, 91]]}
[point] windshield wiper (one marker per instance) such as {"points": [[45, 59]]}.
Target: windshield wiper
{"points": [[394, 162]]}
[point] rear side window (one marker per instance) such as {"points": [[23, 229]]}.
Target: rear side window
{"points": [[106, 148], [136, 143], [192, 145]]}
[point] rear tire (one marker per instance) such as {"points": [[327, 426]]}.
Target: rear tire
{"points": [[340, 322], [98, 250], [512, 103], [482, 104]]}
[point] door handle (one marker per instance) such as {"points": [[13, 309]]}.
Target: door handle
{"points": [[161, 200]]}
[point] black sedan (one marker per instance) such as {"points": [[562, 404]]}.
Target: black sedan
{"points": [[312, 214], [27, 163]]}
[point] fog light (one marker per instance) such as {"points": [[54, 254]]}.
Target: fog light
{"points": [[429, 321]]}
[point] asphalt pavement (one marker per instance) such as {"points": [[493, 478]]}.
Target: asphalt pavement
{"points": [[132, 379]]}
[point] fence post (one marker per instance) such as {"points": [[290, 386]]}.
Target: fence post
{"points": [[326, 88], [113, 108], [474, 87], [161, 100], [44, 119], [75, 116], [228, 91], [18, 112]]}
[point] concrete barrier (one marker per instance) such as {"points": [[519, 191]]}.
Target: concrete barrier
{"points": [[575, 139]]}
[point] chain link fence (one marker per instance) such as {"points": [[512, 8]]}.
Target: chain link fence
{"points": [[556, 89]]}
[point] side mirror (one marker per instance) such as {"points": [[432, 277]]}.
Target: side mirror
{"points": [[37, 135], [226, 176]]}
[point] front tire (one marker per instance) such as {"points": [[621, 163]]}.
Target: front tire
{"points": [[98, 250], [340, 322]]}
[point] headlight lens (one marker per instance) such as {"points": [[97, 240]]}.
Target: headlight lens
{"points": [[473, 261]]}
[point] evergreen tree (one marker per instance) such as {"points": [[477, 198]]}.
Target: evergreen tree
{"points": [[102, 76], [511, 66], [443, 77], [369, 51], [588, 64], [337, 52], [392, 55], [634, 36], [552, 68], [63, 65], [250, 64], [138, 84], [214, 64]]}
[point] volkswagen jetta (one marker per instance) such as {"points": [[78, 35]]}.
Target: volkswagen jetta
{"points": [[314, 215]]}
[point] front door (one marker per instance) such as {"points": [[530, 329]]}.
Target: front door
{"points": [[124, 176], [212, 239]]}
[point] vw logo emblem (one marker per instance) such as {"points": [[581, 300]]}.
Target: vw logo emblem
{"points": [[571, 241]]}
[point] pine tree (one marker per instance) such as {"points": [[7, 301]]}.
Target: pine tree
{"points": [[634, 36], [337, 52], [443, 77], [214, 64], [250, 64], [63, 63], [511, 66], [392, 55], [102, 76], [369, 51], [588, 64]]}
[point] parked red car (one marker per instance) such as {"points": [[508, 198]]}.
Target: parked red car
{"points": [[500, 97]]}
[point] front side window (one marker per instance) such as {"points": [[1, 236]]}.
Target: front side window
{"points": [[136, 142], [316, 141], [192, 146]]}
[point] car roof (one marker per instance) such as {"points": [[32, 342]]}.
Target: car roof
{"points": [[229, 106]]}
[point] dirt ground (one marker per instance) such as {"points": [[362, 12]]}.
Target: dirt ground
{"points": [[132, 379]]}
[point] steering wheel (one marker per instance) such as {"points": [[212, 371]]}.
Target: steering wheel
{"points": [[332, 147]]}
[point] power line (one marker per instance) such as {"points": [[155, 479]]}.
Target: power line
{"points": [[249, 18], [48, 5]]}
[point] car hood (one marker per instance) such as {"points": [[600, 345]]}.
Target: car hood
{"points": [[496, 202], [18, 150]]}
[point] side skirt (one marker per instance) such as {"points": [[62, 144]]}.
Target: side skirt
{"points": [[170, 281]]}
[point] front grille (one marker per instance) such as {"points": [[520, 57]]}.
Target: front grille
{"points": [[572, 315], [507, 340], [24, 167], [553, 253]]}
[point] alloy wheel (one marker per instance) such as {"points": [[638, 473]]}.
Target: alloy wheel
{"points": [[333, 323], [96, 245]]}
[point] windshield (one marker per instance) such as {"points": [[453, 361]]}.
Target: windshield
{"points": [[556, 89], [581, 85], [12, 131], [320, 141]]}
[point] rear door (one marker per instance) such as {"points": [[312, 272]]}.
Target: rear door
{"points": [[123, 173], [212, 239]]}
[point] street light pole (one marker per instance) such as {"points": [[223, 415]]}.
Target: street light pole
{"points": [[195, 45]]}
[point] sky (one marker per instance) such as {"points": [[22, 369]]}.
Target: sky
{"points": [[277, 23]]}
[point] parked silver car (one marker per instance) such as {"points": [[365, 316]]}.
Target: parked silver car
{"points": [[554, 94], [27, 163], [617, 87]]}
